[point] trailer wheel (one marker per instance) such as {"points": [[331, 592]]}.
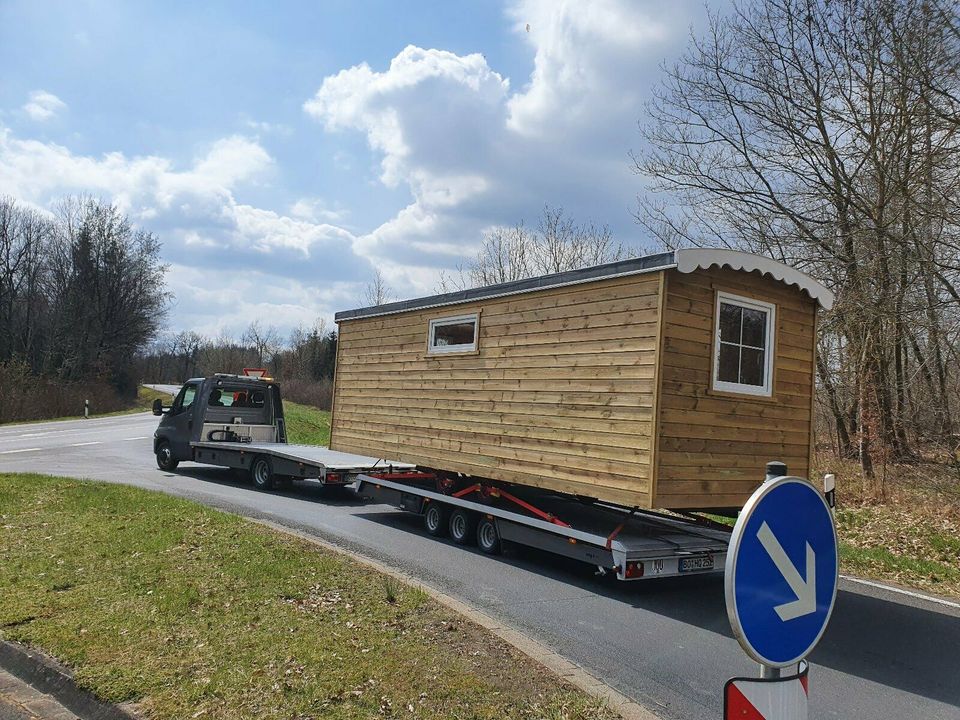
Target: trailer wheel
{"points": [[463, 525], [261, 472], [488, 537], [165, 459], [435, 520]]}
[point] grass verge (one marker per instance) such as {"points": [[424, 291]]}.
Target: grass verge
{"points": [[195, 613], [306, 425], [902, 526]]}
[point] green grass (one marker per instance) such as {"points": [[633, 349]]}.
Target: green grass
{"points": [[306, 425], [879, 561], [195, 613]]}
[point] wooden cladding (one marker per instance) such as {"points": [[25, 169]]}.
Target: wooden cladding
{"points": [[600, 389], [712, 446], [559, 393]]}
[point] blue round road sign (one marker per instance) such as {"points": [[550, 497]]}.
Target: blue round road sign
{"points": [[781, 571]]}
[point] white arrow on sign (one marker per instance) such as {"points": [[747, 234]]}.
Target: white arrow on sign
{"points": [[805, 590]]}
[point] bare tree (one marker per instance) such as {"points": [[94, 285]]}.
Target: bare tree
{"points": [[265, 341], [377, 291], [811, 131], [513, 253], [185, 347]]}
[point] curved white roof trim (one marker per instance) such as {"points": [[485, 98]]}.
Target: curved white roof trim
{"points": [[690, 259]]}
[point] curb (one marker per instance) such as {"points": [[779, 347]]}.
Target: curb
{"points": [[50, 677], [562, 667]]}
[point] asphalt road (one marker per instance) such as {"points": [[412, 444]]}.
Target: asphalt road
{"points": [[666, 643]]}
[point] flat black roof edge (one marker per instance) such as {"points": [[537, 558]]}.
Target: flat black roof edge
{"points": [[647, 263]]}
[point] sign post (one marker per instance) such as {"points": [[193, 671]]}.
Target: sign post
{"points": [[781, 573]]}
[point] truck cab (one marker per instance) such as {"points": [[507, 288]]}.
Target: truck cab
{"points": [[221, 408]]}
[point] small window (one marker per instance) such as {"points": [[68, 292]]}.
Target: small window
{"points": [[453, 334], [743, 354]]}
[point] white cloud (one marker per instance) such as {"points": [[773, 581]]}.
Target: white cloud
{"points": [[471, 147], [585, 53], [267, 128], [229, 307], [228, 246], [37, 171], [317, 209], [474, 153], [43, 105]]}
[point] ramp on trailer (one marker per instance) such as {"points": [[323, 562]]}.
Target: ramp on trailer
{"points": [[632, 543], [313, 454], [293, 461]]}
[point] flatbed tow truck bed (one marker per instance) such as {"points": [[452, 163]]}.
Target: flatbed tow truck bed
{"points": [[633, 544], [296, 461]]}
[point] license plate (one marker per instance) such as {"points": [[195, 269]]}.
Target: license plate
{"points": [[696, 564]]}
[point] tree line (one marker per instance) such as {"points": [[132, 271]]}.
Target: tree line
{"points": [[81, 291], [825, 135], [303, 361]]}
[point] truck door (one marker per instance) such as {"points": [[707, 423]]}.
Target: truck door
{"points": [[180, 421]]}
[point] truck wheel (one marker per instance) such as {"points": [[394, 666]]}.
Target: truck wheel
{"points": [[435, 520], [165, 459], [261, 472], [488, 537], [462, 525]]}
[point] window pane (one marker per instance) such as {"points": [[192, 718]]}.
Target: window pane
{"points": [[754, 327], [728, 370], [730, 322], [188, 396], [751, 366], [453, 334]]}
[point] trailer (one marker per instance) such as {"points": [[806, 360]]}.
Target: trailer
{"points": [[629, 543], [237, 421], [664, 381]]}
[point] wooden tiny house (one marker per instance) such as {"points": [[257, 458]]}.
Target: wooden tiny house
{"points": [[666, 381]]}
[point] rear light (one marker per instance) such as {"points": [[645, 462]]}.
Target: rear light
{"points": [[633, 570]]}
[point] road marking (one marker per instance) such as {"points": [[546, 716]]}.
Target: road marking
{"points": [[909, 593], [139, 437], [95, 442], [805, 590], [10, 452]]}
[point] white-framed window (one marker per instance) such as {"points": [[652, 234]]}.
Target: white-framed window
{"points": [[453, 334], [743, 345]]}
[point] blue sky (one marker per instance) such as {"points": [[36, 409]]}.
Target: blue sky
{"points": [[283, 152]]}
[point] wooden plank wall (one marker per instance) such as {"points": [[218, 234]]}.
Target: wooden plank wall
{"points": [[713, 447], [559, 394]]}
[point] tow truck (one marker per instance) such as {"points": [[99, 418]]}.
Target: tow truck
{"points": [[237, 421]]}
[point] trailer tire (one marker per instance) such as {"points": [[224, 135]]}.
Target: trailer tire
{"points": [[463, 525], [436, 520], [261, 472], [165, 459], [488, 536]]}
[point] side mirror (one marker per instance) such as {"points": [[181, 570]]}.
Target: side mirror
{"points": [[157, 407]]}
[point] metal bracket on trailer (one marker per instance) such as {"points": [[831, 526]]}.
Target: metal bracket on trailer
{"points": [[678, 546]]}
